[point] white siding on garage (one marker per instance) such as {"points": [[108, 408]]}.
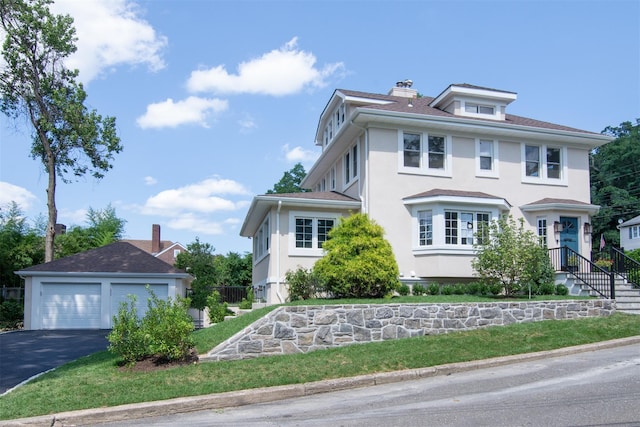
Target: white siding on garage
{"points": [[120, 291], [70, 306]]}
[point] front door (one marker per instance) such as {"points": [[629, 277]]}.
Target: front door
{"points": [[569, 235]]}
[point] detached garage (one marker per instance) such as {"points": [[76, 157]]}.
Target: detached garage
{"points": [[84, 291]]}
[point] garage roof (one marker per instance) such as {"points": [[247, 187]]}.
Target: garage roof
{"points": [[119, 257]]}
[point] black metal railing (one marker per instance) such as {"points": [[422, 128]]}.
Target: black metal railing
{"points": [[231, 294], [598, 279], [627, 267]]}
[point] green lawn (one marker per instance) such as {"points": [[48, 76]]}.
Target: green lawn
{"points": [[96, 381]]}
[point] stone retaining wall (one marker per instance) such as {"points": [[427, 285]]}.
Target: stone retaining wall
{"points": [[300, 329]]}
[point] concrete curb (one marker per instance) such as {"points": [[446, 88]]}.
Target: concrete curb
{"points": [[271, 394]]}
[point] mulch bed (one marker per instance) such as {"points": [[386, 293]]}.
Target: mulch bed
{"points": [[156, 363]]}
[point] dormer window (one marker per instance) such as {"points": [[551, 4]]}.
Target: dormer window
{"points": [[479, 109]]}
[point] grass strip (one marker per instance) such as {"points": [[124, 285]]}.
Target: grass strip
{"points": [[95, 381]]}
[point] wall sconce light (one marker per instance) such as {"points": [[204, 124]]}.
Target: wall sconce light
{"points": [[587, 228], [557, 227]]}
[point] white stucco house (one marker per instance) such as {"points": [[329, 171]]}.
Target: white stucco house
{"points": [[430, 171], [630, 234], [84, 291]]}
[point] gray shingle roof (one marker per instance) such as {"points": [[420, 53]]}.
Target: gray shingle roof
{"points": [[457, 193], [119, 257], [421, 106], [314, 195]]}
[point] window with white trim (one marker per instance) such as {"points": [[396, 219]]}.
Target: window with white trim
{"points": [[332, 178], [479, 108], [542, 230], [350, 162], [545, 164], [261, 240], [460, 228], [309, 231], [425, 228], [634, 232], [336, 121], [487, 157], [432, 157]]}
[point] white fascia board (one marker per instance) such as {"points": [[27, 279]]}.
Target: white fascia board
{"points": [[501, 204], [589, 209], [454, 90], [495, 129]]}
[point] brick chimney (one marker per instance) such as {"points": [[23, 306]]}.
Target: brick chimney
{"points": [[155, 239]]}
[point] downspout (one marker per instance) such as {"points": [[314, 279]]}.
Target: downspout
{"points": [[278, 252]]}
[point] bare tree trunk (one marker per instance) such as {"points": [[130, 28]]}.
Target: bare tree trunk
{"points": [[51, 205]]}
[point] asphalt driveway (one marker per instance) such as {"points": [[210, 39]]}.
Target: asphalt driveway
{"points": [[24, 354]]}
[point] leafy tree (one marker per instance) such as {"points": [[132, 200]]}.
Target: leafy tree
{"points": [[20, 245], [290, 182], [511, 257], [104, 227], [359, 262], [615, 180], [199, 261], [233, 269], [68, 139]]}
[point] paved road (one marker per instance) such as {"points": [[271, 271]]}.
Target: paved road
{"points": [[595, 388], [24, 354]]}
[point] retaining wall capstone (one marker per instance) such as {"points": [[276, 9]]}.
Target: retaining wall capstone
{"points": [[300, 329]]}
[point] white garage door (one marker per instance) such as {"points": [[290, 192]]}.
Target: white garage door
{"points": [[66, 306], [120, 292]]}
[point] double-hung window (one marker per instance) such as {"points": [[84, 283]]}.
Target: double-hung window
{"points": [[351, 165], [425, 228], [543, 164], [309, 231], [634, 232], [423, 153], [261, 241], [486, 158], [542, 230]]}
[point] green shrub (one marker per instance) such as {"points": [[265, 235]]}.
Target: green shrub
{"points": [[358, 261], [473, 288], [247, 303], [168, 326], [403, 289], [510, 255], [127, 339], [562, 290], [633, 254], [217, 309], [434, 289], [11, 314], [546, 289], [418, 289], [447, 290], [459, 289], [302, 284], [163, 332]]}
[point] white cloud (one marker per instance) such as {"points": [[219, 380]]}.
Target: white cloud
{"points": [[193, 110], [111, 33], [247, 124], [149, 180], [196, 224], [202, 197], [72, 217], [283, 71], [12, 193], [299, 154]]}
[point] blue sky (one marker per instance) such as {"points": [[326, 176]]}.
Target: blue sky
{"points": [[215, 100]]}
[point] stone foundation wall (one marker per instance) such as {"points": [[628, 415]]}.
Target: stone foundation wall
{"points": [[300, 329]]}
